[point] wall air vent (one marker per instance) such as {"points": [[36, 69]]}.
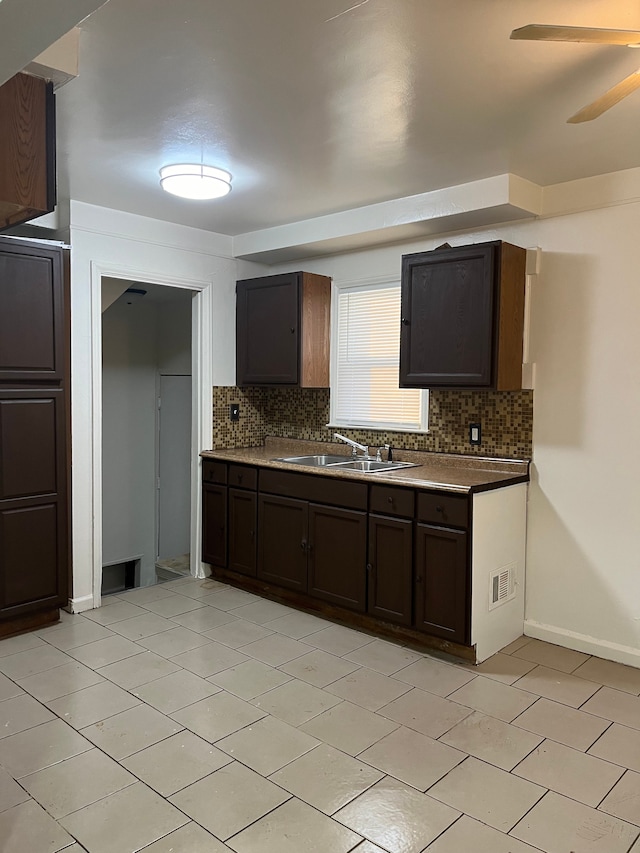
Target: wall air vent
{"points": [[502, 585]]}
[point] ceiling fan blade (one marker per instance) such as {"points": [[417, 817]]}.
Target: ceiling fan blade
{"points": [[589, 35], [609, 99]]}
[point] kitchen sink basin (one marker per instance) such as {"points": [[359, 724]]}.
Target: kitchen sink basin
{"points": [[370, 466], [314, 461]]}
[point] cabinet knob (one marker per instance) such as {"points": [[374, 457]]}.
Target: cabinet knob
{"points": [[240, 476], [292, 330], [390, 500], [419, 579], [369, 567], [439, 508], [405, 321], [303, 544]]}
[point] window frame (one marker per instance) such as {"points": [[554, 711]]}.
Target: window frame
{"points": [[337, 288]]}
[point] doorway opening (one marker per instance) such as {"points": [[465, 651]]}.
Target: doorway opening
{"points": [[148, 397]]}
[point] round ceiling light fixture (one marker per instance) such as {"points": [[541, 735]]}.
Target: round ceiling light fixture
{"points": [[195, 181]]}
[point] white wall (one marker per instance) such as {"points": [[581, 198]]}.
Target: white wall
{"points": [[174, 338], [583, 557]]}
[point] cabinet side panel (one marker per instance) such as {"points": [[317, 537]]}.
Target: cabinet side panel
{"points": [[315, 327], [511, 317]]}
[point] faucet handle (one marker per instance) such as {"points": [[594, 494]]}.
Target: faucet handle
{"points": [[378, 455]]}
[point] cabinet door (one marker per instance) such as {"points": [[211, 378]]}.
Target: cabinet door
{"points": [[447, 328], [214, 524], [242, 531], [267, 330], [441, 606], [33, 501], [282, 541], [390, 568], [337, 556]]}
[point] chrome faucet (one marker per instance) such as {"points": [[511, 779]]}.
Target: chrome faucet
{"points": [[386, 447], [354, 445]]}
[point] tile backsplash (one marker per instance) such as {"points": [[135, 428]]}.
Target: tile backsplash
{"points": [[506, 418]]}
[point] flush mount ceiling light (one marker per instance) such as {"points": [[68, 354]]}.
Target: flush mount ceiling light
{"points": [[195, 181]]}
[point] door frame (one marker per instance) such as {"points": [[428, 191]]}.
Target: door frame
{"points": [[201, 403]]}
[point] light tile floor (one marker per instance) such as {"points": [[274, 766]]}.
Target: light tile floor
{"points": [[195, 718]]}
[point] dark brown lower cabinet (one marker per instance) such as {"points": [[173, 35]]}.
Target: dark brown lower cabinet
{"points": [[214, 524], [390, 568], [282, 541], [440, 594], [242, 531], [337, 556]]}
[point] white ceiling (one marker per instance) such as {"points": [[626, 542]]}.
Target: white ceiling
{"points": [[317, 107]]}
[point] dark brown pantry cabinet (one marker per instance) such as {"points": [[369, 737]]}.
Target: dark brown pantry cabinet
{"points": [[282, 330], [463, 317], [34, 416]]}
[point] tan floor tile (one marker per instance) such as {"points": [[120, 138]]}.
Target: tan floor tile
{"points": [[11, 794], [326, 778], [267, 745], [434, 676], [615, 706], [262, 611], [549, 655], [92, 704], [142, 626], [190, 838], [174, 763], [297, 625], [487, 794], [249, 679], [368, 689], [125, 821], [117, 611], [349, 728], [130, 731], [21, 713], [368, 847], [204, 619], [238, 633], [210, 659], [139, 669], [144, 594], [319, 668], [398, 818], [515, 645], [218, 716], [624, 800], [60, 681], [557, 686], [103, 652], [198, 589], [469, 836], [558, 824], [383, 657], [76, 782], [32, 661], [41, 747], [504, 668], [619, 745], [569, 772], [175, 691], [492, 740], [168, 644], [276, 649], [227, 801], [296, 702], [64, 637], [425, 712], [27, 827], [338, 640], [230, 598], [562, 724], [616, 675], [293, 827], [173, 605], [8, 688], [22, 643], [493, 698], [411, 757]]}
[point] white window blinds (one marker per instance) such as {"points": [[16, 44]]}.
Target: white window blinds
{"points": [[364, 390]]}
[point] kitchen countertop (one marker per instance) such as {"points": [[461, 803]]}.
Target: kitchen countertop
{"points": [[442, 471]]}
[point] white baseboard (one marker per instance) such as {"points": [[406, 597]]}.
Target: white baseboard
{"points": [[78, 605], [583, 643]]}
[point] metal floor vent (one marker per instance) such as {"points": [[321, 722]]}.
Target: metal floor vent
{"points": [[502, 586]]}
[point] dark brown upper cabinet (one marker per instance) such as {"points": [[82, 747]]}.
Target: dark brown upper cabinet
{"points": [[27, 149], [282, 330], [463, 317]]}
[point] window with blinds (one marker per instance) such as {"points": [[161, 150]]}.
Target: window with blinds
{"points": [[365, 365]]}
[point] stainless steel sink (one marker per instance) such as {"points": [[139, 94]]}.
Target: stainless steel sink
{"points": [[314, 461], [370, 466]]}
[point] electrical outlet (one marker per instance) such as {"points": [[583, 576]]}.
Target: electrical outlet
{"points": [[234, 411], [475, 434]]}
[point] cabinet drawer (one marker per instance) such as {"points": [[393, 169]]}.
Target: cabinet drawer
{"points": [[389, 500], [243, 476], [448, 510], [313, 487], [214, 472]]}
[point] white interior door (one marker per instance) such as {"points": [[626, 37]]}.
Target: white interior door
{"points": [[174, 466]]}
